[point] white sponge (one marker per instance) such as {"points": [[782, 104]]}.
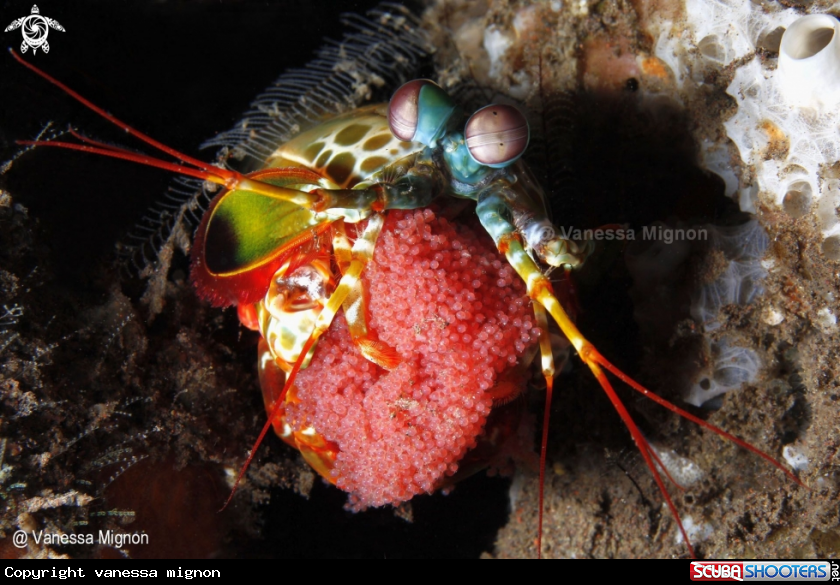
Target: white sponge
{"points": [[740, 282]]}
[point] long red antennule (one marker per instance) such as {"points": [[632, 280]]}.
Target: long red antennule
{"points": [[92, 142], [123, 154], [204, 166], [203, 170]]}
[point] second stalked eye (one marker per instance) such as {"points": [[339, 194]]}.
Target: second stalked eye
{"points": [[497, 135]]}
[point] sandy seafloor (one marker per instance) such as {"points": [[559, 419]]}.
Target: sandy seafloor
{"points": [[92, 389]]}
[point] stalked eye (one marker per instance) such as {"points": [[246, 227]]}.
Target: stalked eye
{"points": [[418, 111], [497, 135], [402, 110]]}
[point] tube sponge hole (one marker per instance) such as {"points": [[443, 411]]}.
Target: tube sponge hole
{"points": [[771, 40], [711, 48], [732, 367], [813, 38]]}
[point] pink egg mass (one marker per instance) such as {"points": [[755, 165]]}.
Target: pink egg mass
{"points": [[458, 315]]}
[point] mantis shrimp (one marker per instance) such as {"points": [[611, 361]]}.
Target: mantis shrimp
{"points": [[275, 242]]}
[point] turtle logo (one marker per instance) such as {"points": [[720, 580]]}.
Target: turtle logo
{"points": [[35, 28]]}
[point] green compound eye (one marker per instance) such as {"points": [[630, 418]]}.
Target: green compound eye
{"points": [[418, 112], [497, 135]]}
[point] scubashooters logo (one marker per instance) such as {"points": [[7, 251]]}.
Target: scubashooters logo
{"points": [[761, 571], [35, 29]]}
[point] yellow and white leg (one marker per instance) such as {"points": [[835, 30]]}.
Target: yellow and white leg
{"points": [[355, 305], [539, 289]]}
